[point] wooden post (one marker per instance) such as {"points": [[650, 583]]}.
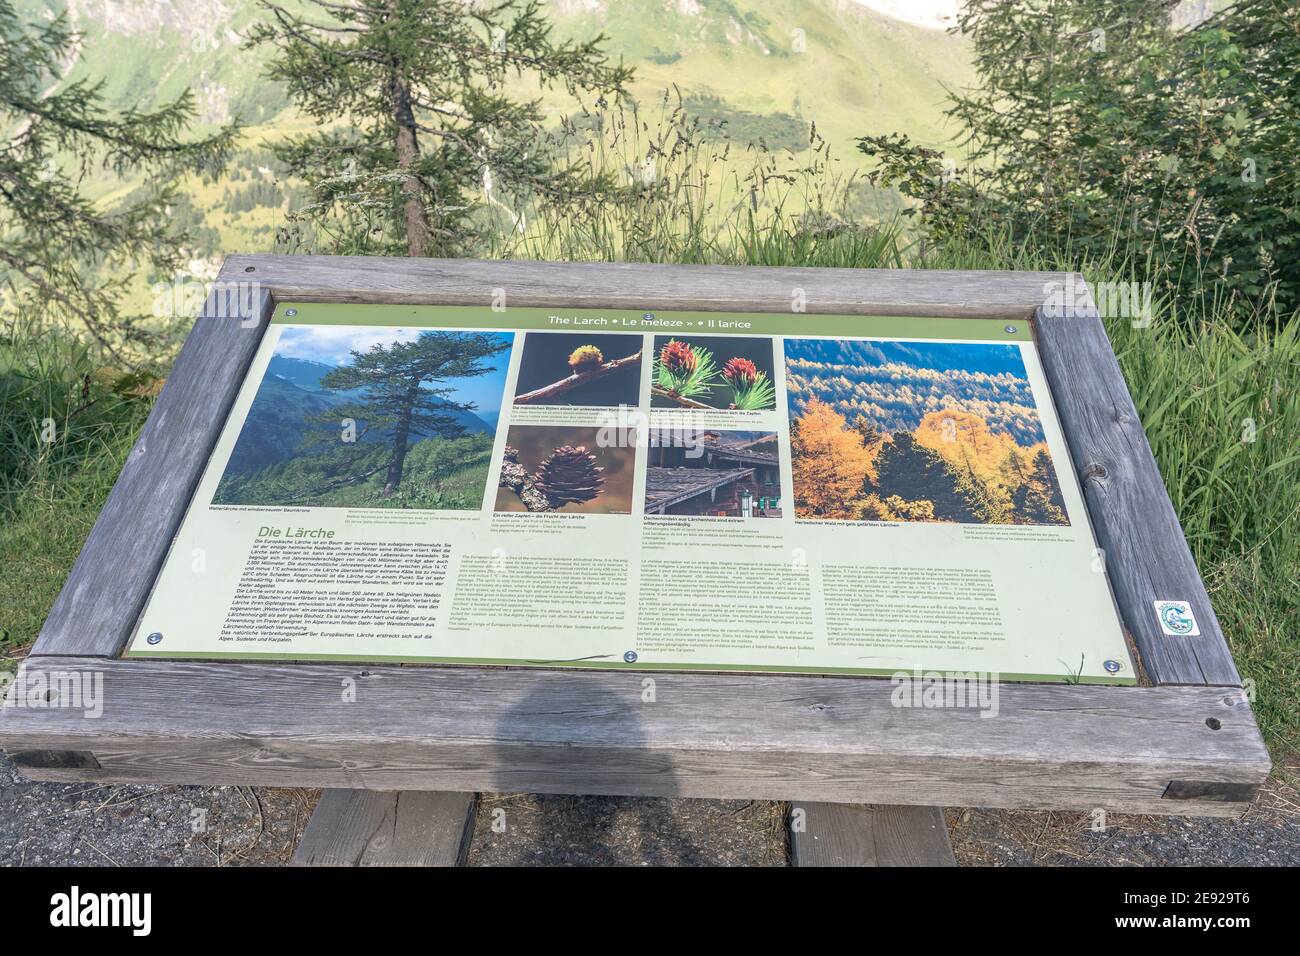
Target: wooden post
{"points": [[388, 828], [842, 834]]}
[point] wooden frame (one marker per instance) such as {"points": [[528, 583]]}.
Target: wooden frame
{"points": [[1185, 744]]}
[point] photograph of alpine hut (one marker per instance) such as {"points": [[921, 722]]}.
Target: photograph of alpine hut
{"points": [[724, 474]]}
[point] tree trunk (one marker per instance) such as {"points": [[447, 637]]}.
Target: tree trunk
{"points": [[398, 460], [401, 439], [408, 151]]}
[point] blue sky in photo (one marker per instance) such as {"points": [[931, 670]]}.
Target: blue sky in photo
{"points": [[333, 345]]}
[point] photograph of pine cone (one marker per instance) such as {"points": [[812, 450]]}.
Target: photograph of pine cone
{"points": [[561, 468]]}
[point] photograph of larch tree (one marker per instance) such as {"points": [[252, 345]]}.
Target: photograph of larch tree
{"points": [[913, 431], [371, 418]]}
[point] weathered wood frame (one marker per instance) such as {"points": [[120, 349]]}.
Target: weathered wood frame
{"points": [[1186, 744]]}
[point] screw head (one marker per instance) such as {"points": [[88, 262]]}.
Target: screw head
{"points": [[290, 311], [154, 638], [1112, 667], [630, 657], [1010, 330]]}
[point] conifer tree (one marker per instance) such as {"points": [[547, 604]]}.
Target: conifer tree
{"points": [[914, 472], [1115, 128], [403, 394], [63, 254], [1039, 499], [830, 463], [417, 125]]}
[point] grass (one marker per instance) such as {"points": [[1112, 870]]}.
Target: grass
{"points": [[438, 473], [1222, 414], [51, 491]]}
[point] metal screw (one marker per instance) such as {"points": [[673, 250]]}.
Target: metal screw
{"points": [[1010, 330], [290, 311], [630, 657], [1112, 667], [155, 637]]}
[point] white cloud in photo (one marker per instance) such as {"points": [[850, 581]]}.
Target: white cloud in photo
{"points": [[334, 344]]}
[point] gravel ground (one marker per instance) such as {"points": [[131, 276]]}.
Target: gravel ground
{"points": [[79, 824], [48, 824], [627, 831], [1268, 835]]}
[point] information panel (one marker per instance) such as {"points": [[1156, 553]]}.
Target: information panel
{"points": [[644, 490]]}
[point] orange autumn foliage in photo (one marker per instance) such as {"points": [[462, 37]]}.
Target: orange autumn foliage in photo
{"points": [[967, 442], [829, 462], [951, 467]]}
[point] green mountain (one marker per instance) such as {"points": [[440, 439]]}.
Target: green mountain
{"points": [[769, 71], [838, 63], [439, 473], [275, 426]]}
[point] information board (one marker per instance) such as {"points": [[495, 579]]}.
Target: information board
{"points": [[643, 490]]}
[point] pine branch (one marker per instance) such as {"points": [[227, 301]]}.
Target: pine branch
{"points": [[679, 399], [555, 389]]}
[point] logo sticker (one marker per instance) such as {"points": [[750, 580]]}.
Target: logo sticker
{"points": [[1177, 619]]}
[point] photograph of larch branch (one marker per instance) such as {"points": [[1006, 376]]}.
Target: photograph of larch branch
{"points": [[910, 431], [557, 468], [371, 417], [723, 474], [713, 371], [575, 368]]}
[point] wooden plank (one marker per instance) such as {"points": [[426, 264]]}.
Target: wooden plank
{"points": [[111, 580], [526, 283], [388, 828], [1146, 555], [840, 834], [832, 740]]}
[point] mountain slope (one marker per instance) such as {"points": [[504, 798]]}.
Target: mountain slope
{"points": [[769, 71], [838, 63], [280, 417]]}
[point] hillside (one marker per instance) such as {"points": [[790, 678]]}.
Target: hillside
{"points": [[288, 410], [440, 473], [767, 71], [838, 63]]}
